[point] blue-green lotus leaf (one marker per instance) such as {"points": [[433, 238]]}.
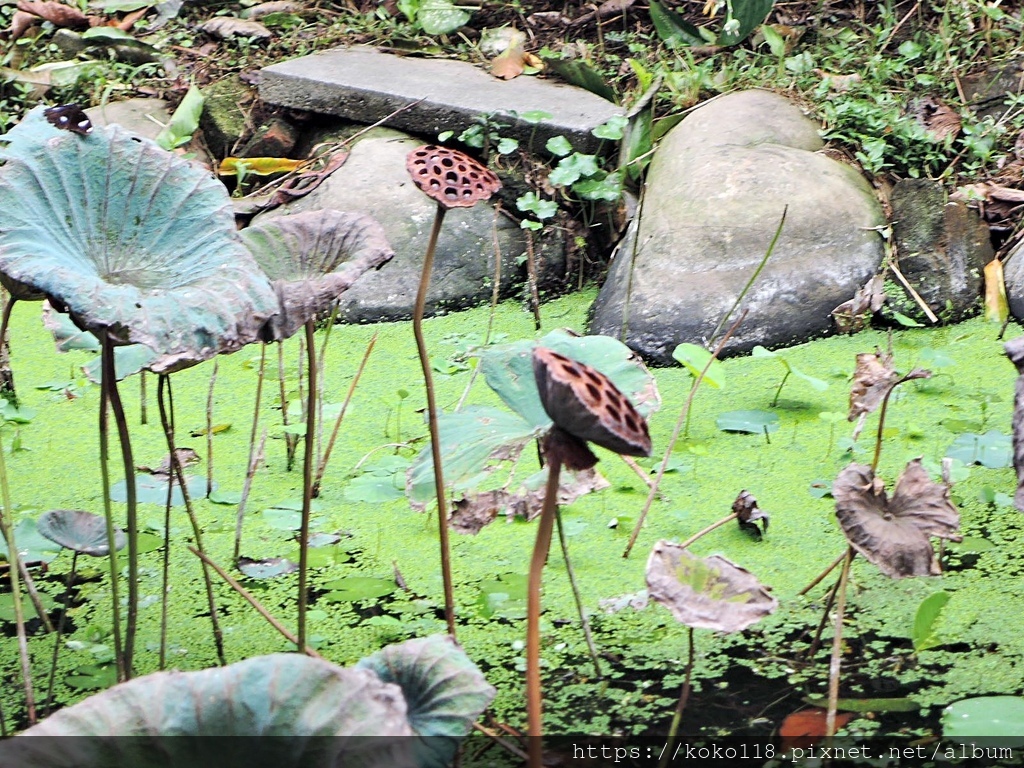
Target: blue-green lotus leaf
{"points": [[313, 258], [130, 240], [296, 704], [79, 531], [508, 369], [444, 692]]}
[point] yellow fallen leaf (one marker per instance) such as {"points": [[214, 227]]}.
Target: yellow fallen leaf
{"points": [[261, 166], [997, 308]]}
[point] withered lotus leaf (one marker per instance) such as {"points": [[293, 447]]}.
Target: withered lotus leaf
{"points": [[585, 403], [706, 593], [452, 178], [871, 380], [748, 513], [894, 534]]}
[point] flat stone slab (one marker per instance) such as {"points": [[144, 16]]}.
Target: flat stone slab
{"points": [[365, 85]]}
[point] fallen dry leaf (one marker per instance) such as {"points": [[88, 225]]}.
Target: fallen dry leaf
{"points": [[838, 82], [186, 457], [748, 514], [58, 14], [706, 593], [261, 166], [997, 307], [275, 6], [806, 727], [936, 117], [20, 22], [894, 534], [229, 26], [871, 380], [854, 315], [509, 63]]}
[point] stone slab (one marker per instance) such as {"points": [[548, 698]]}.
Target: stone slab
{"points": [[365, 85]]}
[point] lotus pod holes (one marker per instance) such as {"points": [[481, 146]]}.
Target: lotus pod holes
{"points": [[452, 178], [585, 403]]}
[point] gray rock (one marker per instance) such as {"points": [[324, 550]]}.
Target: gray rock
{"points": [[716, 190], [374, 181], [1013, 277], [365, 85], [143, 117], [942, 248]]}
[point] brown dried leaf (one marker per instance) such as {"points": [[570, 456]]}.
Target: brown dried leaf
{"points": [[58, 14], [839, 82], [229, 26], [893, 534], [510, 62], [997, 307], [274, 6], [853, 315], [706, 593], [871, 380], [748, 514], [936, 117], [20, 22], [186, 456]]}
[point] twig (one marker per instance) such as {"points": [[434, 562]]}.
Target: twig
{"points": [[531, 273], [584, 621], [209, 429], [837, 649], [817, 579], [914, 294], [706, 531]]}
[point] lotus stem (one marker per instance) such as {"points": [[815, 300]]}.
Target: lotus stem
{"points": [[113, 397], [881, 419], [435, 437], [341, 416], [684, 697], [495, 295], [115, 571], [705, 531], [584, 621], [209, 430], [531, 274], [251, 600], [33, 595], [7, 529], [534, 695], [254, 462], [322, 362], [60, 632], [143, 415], [817, 579], [6, 373], [684, 418], [252, 452], [775, 400], [837, 648], [161, 387], [829, 602], [290, 440], [167, 421], [308, 460]]}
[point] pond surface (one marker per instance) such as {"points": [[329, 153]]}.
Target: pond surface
{"points": [[376, 579]]}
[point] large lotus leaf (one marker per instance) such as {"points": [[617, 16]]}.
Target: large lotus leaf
{"points": [[79, 531], [297, 704], [706, 593], [470, 440], [508, 369], [444, 692], [894, 533], [313, 258], [129, 239]]}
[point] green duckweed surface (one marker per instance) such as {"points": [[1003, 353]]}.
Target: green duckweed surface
{"points": [[762, 673]]}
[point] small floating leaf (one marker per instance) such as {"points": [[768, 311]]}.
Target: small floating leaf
{"points": [[152, 489], [358, 588], [992, 449], [266, 568], [225, 497], [986, 716], [753, 422]]}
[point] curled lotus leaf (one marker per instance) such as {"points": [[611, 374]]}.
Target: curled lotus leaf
{"points": [[706, 593], [298, 705], [894, 533], [444, 691], [79, 531], [130, 240], [872, 378], [312, 258]]}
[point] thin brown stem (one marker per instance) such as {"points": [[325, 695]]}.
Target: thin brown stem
{"points": [[250, 471], [7, 529], [248, 597], [255, 459], [684, 698], [534, 694], [435, 437], [167, 420], [653, 491], [341, 416], [115, 571], [290, 440], [131, 505], [584, 621], [531, 273], [7, 389], [837, 648], [60, 633], [143, 409], [308, 460], [817, 579], [706, 531], [209, 429]]}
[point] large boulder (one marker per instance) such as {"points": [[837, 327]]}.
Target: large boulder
{"points": [[374, 181], [716, 191]]}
